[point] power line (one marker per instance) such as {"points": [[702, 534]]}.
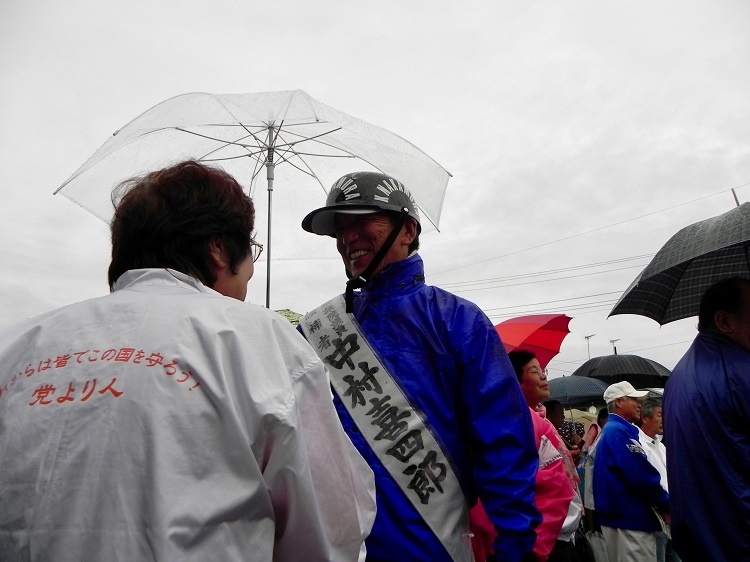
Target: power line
{"points": [[579, 310], [548, 280], [547, 272], [664, 345], [568, 308], [554, 301], [629, 352], [588, 231]]}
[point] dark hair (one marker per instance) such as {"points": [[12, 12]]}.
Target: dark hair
{"points": [[724, 295], [553, 405], [603, 415], [519, 358], [648, 406], [393, 217], [168, 218]]}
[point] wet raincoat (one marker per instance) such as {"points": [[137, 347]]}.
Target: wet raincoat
{"points": [[451, 364], [168, 422], [553, 496], [707, 435]]}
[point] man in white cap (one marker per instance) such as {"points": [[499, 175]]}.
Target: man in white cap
{"points": [[627, 487]]}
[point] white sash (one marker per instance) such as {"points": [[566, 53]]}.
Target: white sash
{"points": [[392, 426]]}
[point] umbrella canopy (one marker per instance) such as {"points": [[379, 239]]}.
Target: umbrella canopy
{"points": [[300, 142], [638, 371], [655, 393], [699, 255], [542, 334], [576, 391], [582, 416]]}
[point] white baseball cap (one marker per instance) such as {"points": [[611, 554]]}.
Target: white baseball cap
{"points": [[622, 390]]}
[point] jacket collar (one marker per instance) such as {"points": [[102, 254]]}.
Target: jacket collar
{"points": [[618, 419], [719, 338], [643, 436], [167, 277], [398, 277]]}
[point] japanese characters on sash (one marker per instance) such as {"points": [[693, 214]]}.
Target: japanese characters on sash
{"points": [[393, 428]]}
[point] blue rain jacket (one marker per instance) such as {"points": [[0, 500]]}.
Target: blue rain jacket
{"points": [[707, 435], [451, 364], [626, 484]]}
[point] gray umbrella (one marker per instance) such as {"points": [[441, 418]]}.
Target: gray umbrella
{"points": [[699, 255], [576, 391], [638, 371]]}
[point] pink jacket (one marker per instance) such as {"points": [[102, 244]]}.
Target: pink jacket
{"points": [[553, 494]]}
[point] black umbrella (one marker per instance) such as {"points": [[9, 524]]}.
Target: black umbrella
{"points": [[576, 391], [638, 371], [699, 255]]}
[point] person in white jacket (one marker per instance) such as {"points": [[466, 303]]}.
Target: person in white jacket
{"points": [[650, 435], [166, 421]]}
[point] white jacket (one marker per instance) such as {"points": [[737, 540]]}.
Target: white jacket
{"points": [[168, 422], [656, 453]]}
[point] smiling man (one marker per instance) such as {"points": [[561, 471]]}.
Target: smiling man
{"points": [[423, 386], [627, 487]]}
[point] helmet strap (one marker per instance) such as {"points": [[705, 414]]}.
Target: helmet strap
{"points": [[359, 282]]}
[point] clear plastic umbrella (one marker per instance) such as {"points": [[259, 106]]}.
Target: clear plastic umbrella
{"points": [[301, 144]]}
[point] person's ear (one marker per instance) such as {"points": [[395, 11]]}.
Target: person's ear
{"points": [[409, 232], [723, 322], [217, 254]]}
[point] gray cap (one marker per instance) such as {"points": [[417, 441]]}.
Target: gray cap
{"points": [[361, 193]]}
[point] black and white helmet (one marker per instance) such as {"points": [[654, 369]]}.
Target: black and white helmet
{"points": [[361, 193]]}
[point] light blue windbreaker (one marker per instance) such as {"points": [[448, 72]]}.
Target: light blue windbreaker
{"points": [[451, 364]]}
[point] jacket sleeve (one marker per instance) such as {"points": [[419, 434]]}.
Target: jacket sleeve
{"points": [[642, 478], [502, 439], [324, 491]]}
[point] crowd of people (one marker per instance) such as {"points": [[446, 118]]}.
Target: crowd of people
{"points": [[169, 420]]}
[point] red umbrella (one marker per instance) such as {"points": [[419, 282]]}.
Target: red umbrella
{"points": [[542, 334]]}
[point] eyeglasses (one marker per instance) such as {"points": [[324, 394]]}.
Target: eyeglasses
{"points": [[540, 372], [256, 249]]}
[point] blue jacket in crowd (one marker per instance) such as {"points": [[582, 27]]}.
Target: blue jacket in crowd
{"points": [[626, 484], [451, 364], [707, 433]]}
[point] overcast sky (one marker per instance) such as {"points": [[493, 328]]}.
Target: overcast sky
{"points": [[580, 136]]}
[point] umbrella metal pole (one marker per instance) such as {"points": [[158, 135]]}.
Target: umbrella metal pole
{"points": [[269, 176]]}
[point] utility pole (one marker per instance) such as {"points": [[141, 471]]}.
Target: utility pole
{"points": [[613, 344], [588, 343]]}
